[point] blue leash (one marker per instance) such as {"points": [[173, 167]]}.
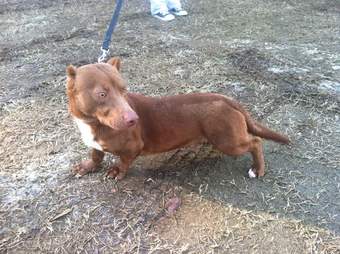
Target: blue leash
{"points": [[108, 35]]}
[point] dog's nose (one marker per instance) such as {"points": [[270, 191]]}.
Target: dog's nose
{"points": [[130, 118]]}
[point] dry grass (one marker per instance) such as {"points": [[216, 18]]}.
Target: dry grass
{"points": [[93, 215], [274, 70], [203, 225], [90, 214], [33, 130]]}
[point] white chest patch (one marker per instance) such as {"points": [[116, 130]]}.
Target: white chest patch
{"points": [[87, 135]]}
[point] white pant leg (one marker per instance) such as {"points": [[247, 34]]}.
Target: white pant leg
{"points": [[174, 4], [158, 6]]}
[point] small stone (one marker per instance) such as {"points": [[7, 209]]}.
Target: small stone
{"points": [[173, 204]]}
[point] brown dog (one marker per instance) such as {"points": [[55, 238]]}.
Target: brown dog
{"points": [[127, 125]]}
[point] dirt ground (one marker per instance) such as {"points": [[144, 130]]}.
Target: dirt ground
{"points": [[279, 58]]}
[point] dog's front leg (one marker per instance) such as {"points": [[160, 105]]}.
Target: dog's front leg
{"points": [[91, 165], [119, 170]]}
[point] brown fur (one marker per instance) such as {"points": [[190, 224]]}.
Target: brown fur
{"points": [[129, 125]]}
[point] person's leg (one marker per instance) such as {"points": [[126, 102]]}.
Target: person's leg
{"points": [[175, 7], [173, 4], [159, 10], [158, 6]]}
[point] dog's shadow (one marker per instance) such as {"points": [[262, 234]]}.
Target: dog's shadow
{"points": [[222, 178], [207, 172]]}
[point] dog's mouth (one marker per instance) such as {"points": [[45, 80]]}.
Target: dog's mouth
{"points": [[126, 121], [130, 118], [121, 126], [131, 124]]}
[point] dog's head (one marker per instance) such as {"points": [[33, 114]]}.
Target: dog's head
{"points": [[97, 92]]}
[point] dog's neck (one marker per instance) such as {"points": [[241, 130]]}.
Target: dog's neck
{"points": [[87, 134]]}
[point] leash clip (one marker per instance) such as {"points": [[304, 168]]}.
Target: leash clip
{"points": [[104, 56]]}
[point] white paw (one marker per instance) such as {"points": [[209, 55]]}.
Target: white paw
{"points": [[78, 175], [251, 173]]}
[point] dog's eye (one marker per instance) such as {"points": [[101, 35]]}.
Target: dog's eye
{"points": [[102, 95]]}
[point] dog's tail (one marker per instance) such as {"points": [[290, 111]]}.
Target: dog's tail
{"points": [[258, 129]]}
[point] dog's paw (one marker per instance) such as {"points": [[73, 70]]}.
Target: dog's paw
{"points": [[120, 176], [112, 172], [84, 168], [251, 173], [115, 173]]}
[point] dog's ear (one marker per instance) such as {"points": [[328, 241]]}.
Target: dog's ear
{"points": [[71, 71], [115, 62], [71, 74]]}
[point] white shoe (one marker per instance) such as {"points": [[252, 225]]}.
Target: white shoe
{"points": [[178, 12], [164, 16]]}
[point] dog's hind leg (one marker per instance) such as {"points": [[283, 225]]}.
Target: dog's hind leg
{"points": [[256, 151], [231, 137], [253, 146], [91, 165]]}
